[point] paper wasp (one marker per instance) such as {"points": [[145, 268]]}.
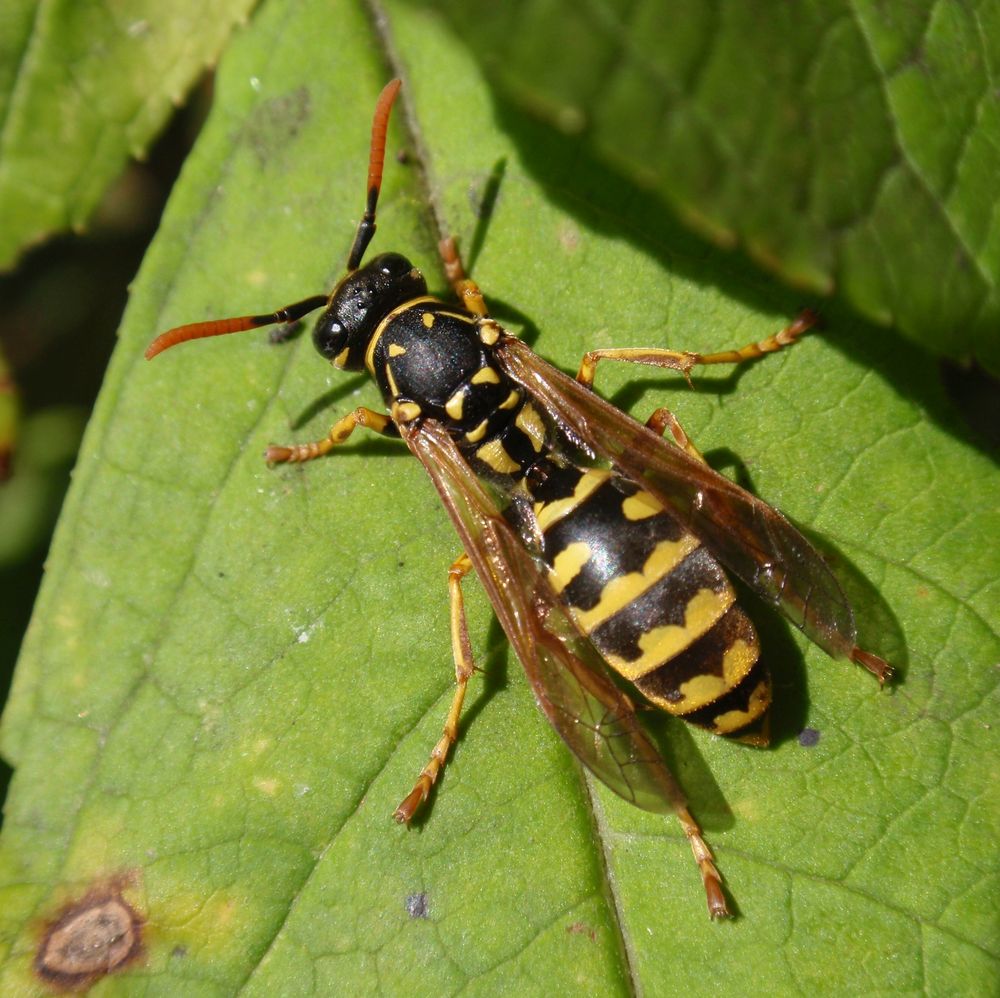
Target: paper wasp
{"points": [[602, 546]]}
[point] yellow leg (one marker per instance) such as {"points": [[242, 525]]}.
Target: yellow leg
{"points": [[339, 432], [466, 289], [710, 876], [461, 649], [683, 361], [663, 420]]}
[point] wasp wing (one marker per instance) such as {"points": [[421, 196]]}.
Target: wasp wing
{"points": [[569, 679], [747, 536]]}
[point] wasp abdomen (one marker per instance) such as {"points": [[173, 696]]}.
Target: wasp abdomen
{"points": [[650, 597]]}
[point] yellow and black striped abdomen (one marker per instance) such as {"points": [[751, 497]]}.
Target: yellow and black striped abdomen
{"points": [[653, 601]]}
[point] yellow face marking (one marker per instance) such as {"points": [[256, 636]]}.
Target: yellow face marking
{"points": [[530, 424], [552, 512], [341, 359], [395, 350], [511, 400], [454, 405], [660, 644], [567, 564], [485, 376], [621, 591], [427, 319], [478, 433], [489, 332], [405, 412], [733, 720], [497, 458], [640, 506]]}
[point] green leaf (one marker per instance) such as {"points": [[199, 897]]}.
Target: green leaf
{"points": [[82, 87], [234, 674], [852, 148]]}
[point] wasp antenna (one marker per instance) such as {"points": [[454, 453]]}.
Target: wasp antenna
{"points": [[219, 327], [376, 159]]}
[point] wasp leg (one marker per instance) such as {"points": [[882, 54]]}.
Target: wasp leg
{"points": [[464, 667], [466, 289], [339, 432], [663, 420], [684, 361], [876, 665], [710, 876]]}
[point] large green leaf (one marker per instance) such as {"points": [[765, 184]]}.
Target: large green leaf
{"points": [[82, 87], [234, 674], [850, 147]]}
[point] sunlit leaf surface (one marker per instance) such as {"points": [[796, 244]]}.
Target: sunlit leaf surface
{"points": [[234, 674]]}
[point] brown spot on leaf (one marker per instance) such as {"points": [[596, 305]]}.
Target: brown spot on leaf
{"points": [[90, 938]]}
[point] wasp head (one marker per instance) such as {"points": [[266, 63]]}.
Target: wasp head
{"points": [[360, 302]]}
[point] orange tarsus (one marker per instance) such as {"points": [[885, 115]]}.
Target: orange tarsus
{"points": [[879, 667]]}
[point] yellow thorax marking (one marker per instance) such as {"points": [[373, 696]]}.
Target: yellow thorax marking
{"points": [[485, 376], [454, 405], [477, 434], [489, 332], [380, 328], [405, 412]]}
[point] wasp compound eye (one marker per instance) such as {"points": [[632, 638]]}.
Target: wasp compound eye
{"points": [[362, 300]]}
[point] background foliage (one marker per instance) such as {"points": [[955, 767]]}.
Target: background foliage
{"points": [[233, 674]]}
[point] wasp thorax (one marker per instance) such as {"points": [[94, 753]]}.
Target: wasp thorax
{"points": [[360, 302]]}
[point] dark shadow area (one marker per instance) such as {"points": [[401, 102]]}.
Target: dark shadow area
{"points": [[601, 199], [484, 206], [976, 396], [672, 736], [879, 629], [327, 402]]}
